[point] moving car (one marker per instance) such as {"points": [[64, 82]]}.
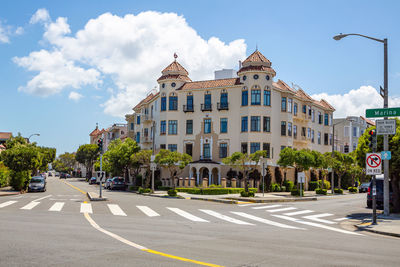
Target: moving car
{"points": [[379, 193], [108, 183], [364, 187], [37, 183], [93, 180], [118, 183]]}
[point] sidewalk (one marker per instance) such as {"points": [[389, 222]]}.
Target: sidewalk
{"points": [[387, 225], [7, 191]]}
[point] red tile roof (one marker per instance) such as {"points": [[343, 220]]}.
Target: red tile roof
{"points": [[95, 132], [370, 122], [256, 57], [146, 100], [282, 85], [5, 135], [174, 77], [257, 68], [210, 84], [175, 67]]}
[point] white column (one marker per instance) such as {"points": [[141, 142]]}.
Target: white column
{"points": [[351, 137], [198, 176], [201, 148], [190, 172], [211, 147], [209, 176], [219, 176]]}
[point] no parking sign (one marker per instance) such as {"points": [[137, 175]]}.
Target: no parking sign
{"points": [[373, 164]]}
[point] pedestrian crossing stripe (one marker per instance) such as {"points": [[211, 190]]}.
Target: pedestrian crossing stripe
{"points": [[8, 203], [57, 206], [116, 210], [267, 207], [317, 218], [149, 212], [265, 221], [187, 215], [86, 208], [30, 205], [225, 218]]}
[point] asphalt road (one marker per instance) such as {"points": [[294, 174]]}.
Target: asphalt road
{"points": [[52, 229]]}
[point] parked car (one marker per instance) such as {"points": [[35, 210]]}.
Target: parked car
{"points": [[50, 174], [37, 183], [63, 175], [364, 187], [379, 193], [67, 176], [118, 183], [57, 174], [93, 180], [108, 183]]}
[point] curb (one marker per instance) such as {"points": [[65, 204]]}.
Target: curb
{"points": [[9, 194], [364, 228], [225, 201], [150, 195], [94, 197], [272, 200]]}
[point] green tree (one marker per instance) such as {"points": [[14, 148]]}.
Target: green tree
{"points": [[68, 160], [143, 159], [4, 175], [174, 162], [13, 141], [48, 155], [87, 155]]}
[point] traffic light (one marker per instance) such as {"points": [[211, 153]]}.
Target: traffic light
{"points": [[372, 139], [100, 144]]}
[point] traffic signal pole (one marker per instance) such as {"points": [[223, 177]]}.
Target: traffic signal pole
{"points": [[101, 173], [386, 209], [372, 145]]}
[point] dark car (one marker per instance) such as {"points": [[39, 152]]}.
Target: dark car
{"points": [[364, 187], [63, 175], [37, 183], [379, 194], [118, 183], [93, 180]]}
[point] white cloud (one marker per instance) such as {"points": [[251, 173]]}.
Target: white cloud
{"points": [[41, 15], [75, 96], [19, 31], [131, 50], [355, 102], [4, 33]]}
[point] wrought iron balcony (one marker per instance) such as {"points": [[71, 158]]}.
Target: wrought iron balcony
{"points": [[188, 108], [206, 107], [222, 105]]}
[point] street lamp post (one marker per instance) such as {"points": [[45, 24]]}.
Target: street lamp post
{"points": [[385, 94], [32, 135]]}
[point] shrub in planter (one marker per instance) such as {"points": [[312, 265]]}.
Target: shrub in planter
{"points": [[275, 187], [321, 191], [215, 186], [247, 194], [296, 192], [327, 184], [338, 191], [312, 185], [214, 191], [353, 189], [19, 180], [164, 188], [289, 185], [283, 188], [133, 188], [172, 192]]}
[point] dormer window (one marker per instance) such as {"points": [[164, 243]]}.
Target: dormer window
{"points": [[173, 84]]}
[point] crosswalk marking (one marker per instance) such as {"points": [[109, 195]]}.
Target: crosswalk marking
{"points": [[315, 224], [116, 210], [187, 215], [298, 212], [224, 217], [42, 198], [341, 219], [86, 208], [318, 216], [30, 205], [7, 203], [57, 206], [262, 220], [248, 204], [282, 209], [149, 212], [267, 207]]}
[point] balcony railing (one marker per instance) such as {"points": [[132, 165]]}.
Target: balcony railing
{"points": [[147, 139], [205, 157], [188, 108], [222, 105], [206, 107]]}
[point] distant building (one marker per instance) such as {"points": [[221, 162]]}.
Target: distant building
{"points": [[4, 136], [224, 74], [347, 132], [117, 130]]}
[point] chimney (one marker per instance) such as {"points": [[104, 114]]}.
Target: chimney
{"points": [[240, 64]]}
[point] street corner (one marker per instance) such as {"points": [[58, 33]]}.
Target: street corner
{"points": [[95, 197]]}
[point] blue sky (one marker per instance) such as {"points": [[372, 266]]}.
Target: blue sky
{"points": [[47, 61]]}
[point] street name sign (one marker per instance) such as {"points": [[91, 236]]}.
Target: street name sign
{"points": [[382, 112], [373, 164], [153, 166], [386, 155], [385, 127]]}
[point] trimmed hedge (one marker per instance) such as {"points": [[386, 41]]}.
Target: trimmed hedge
{"points": [[296, 192], [4, 175], [213, 190], [172, 192], [247, 194], [321, 191], [327, 184], [164, 188], [275, 187], [133, 188], [353, 189], [338, 191], [312, 185], [144, 190], [288, 185]]}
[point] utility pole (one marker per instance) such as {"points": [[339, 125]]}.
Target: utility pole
{"points": [[333, 154], [386, 210], [152, 158], [101, 172]]}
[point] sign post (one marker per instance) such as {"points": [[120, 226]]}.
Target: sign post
{"points": [[153, 167], [301, 178], [373, 167], [264, 165]]}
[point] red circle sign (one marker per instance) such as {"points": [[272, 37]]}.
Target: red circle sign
{"points": [[374, 160]]}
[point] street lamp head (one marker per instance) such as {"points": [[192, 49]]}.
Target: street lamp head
{"points": [[340, 36]]}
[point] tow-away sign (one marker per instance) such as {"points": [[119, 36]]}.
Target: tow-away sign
{"points": [[373, 164]]}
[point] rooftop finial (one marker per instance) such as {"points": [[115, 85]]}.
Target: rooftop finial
{"points": [[256, 47], [97, 125], [175, 56]]}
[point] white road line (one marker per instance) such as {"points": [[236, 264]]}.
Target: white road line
{"points": [[86, 208], [283, 209], [187, 215], [262, 220], [42, 198], [248, 204], [149, 212], [225, 218], [318, 216], [315, 225], [298, 212], [30, 205], [341, 219], [8, 203], [57, 206], [116, 210], [267, 207]]}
